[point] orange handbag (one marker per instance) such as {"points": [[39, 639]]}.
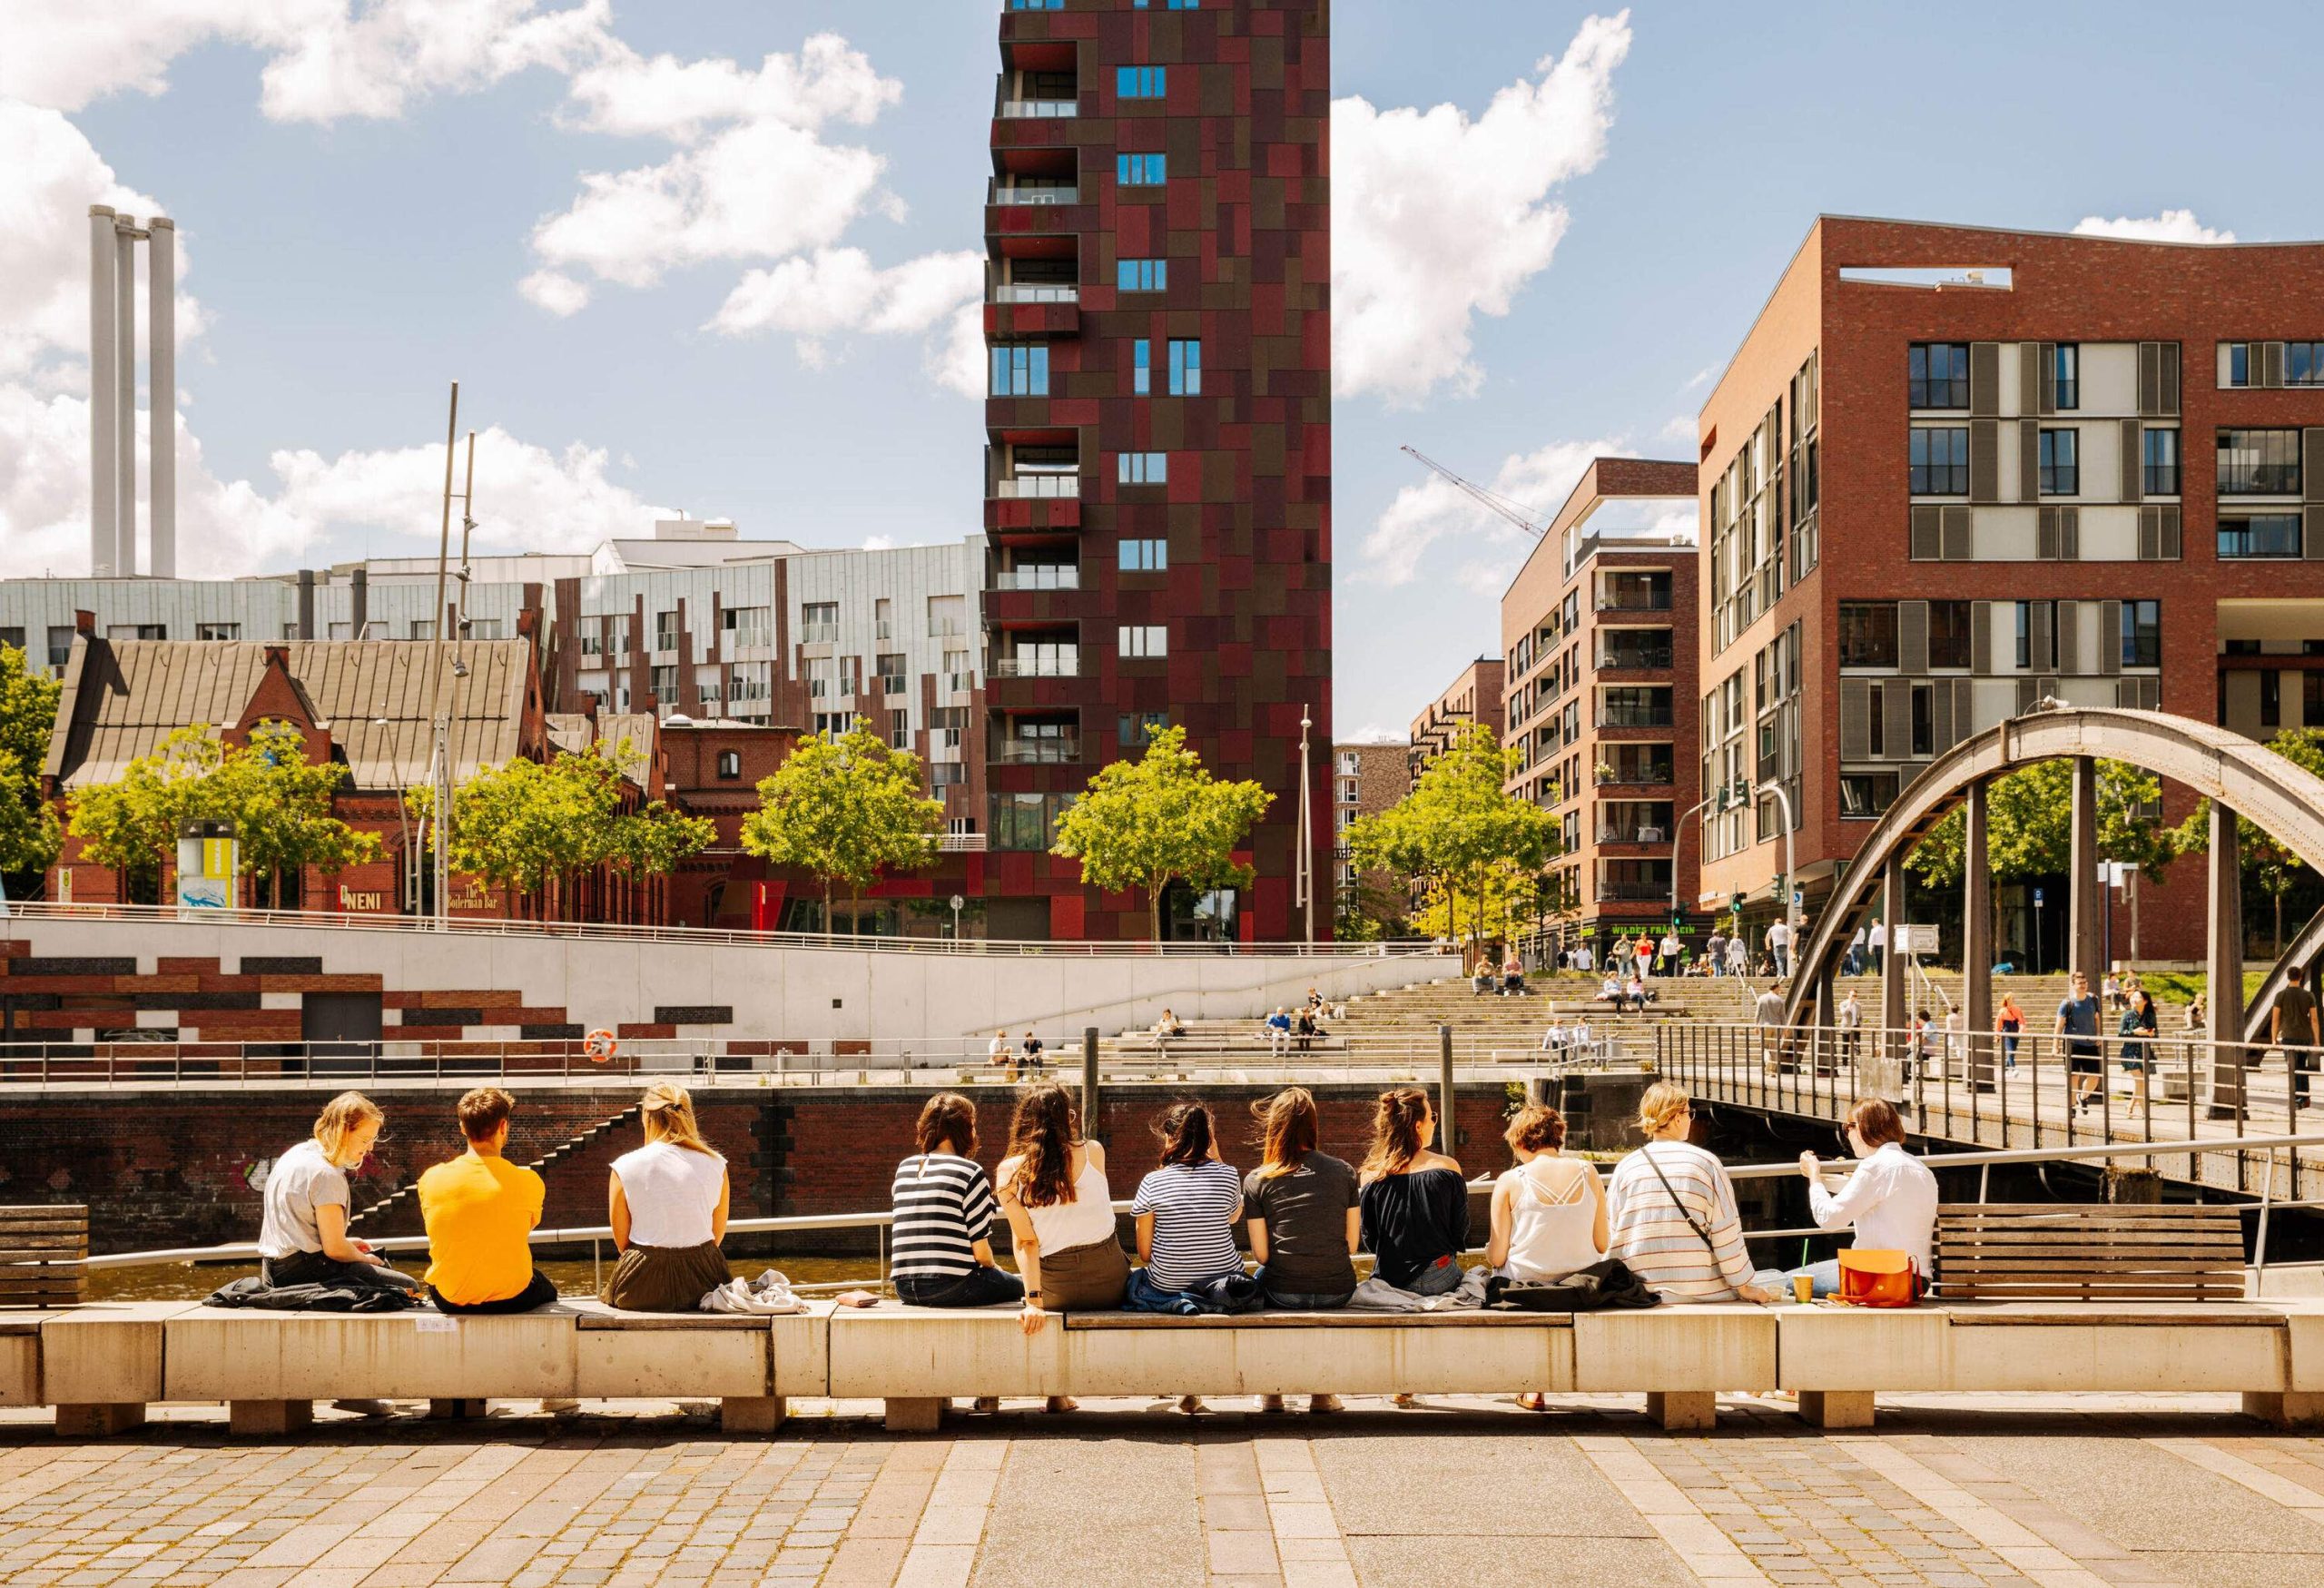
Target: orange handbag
{"points": [[1876, 1279]]}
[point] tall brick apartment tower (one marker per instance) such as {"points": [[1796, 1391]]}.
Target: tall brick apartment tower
{"points": [[1157, 477]]}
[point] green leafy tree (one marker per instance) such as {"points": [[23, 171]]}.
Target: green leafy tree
{"points": [[533, 828], [2267, 863], [1158, 820], [130, 824], [28, 823], [1462, 830], [280, 804], [1368, 911], [847, 811], [2030, 825]]}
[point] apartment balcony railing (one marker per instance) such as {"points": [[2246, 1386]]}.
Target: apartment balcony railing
{"points": [[1637, 657], [1033, 195], [1639, 832], [818, 633], [1634, 717], [1036, 667], [1630, 891], [1650, 772], [1043, 578], [1038, 751], [1634, 601], [1038, 109], [746, 639], [1037, 293], [1026, 486]]}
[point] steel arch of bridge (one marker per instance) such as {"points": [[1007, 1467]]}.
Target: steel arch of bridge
{"points": [[2240, 776]]}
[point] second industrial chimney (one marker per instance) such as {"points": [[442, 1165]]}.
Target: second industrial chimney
{"points": [[113, 393]]}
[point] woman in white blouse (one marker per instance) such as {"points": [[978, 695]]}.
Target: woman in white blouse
{"points": [[667, 1205], [1890, 1199]]}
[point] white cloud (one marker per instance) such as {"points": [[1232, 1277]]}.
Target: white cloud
{"points": [[1374, 734], [529, 498], [49, 173], [817, 296], [325, 58], [751, 178], [2171, 226], [1438, 218], [1682, 426], [558, 293], [664, 97], [1435, 508]]}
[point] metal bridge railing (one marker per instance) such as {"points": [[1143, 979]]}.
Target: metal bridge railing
{"points": [[2035, 1089]]}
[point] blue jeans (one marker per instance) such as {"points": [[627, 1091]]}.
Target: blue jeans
{"points": [[1440, 1277], [1300, 1300], [979, 1287], [1220, 1293]]}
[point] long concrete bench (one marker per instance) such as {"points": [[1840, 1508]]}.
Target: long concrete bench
{"points": [[915, 1359], [101, 1364], [1837, 1359]]}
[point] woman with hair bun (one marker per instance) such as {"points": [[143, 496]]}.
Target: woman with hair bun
{"points": [[1671, 1213], [1414, 1201], [667, 1205]]}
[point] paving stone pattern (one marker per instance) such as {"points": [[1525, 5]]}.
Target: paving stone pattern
{"points": [[2064, 1491]]}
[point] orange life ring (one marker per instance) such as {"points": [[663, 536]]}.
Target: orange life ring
{"points": [[599, 1045]]}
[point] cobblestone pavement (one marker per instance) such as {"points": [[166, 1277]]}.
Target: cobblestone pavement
{"points": [[1951, 1490]]}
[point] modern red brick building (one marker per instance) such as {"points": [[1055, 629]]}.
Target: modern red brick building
{"points": [[1954, 470], [1473, 696], [1598, 634], [1157, 483]]}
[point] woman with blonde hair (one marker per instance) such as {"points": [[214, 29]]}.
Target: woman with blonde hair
{"points": [[1672, 1216], [302, 1236], [668, 1210]]}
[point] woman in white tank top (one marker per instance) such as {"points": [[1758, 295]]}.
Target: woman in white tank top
{"points": [[1052, 1188], [1548, 1213], [667, 1202]]}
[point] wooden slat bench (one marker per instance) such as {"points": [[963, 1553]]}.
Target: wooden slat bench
{"points": [[2045, 1251], [44, 1255]]}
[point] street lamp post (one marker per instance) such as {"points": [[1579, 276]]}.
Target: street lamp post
{"points": [[1304, 858], [1790, 855]]}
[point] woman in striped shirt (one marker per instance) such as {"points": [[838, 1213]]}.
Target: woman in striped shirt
{"points": [[943, 1204], [1670, 1210], [1185, 1212]]}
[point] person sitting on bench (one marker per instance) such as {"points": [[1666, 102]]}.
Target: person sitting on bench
{"points": [[1512, 975], [1890, 1200], [667, 1203], [1278, 1025], [1610, 990], [302, 1236], [1304, 1029], [1170, 1025], [1640, 994], [480, 1210], [1554, 1039]]}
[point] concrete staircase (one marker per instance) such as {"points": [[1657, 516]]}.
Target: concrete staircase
{"points": [[553, 1156]]}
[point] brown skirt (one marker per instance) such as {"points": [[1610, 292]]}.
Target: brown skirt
{"points": [[665, 1279], [1085, 1278]]}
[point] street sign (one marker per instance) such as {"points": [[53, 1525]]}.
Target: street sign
{"points": [[2037, 898], [958, 903]]}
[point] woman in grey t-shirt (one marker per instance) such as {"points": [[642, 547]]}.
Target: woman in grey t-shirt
{"points": [[302, 1239], [1302, 1208]]}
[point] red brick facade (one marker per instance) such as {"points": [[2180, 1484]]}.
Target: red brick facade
{"points": [[1160, 178], [2162, 310]]}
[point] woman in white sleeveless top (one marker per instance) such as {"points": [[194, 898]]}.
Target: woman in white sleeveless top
{"points": [[668, 1203], [1548, 1213]]}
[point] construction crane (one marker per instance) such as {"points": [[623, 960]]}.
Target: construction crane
{"points": [[1517, 513]]}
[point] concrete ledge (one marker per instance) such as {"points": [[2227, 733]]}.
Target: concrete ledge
{"points": [[2232, 1347], [20, 1362], [221, 1354], [100, 1363], [923, 1353], [2304, 1331], [1704, 1347], [630, 1356]]}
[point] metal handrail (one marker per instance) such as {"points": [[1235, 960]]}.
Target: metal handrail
{"points": [[336, 920], [247, 1251]]}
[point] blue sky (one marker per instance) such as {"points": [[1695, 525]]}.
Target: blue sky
{"points": [[357, 228]]}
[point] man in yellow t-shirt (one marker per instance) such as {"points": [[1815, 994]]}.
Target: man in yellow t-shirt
{"points": [[479, 1210]]}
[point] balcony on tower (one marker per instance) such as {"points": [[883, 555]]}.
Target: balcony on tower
{"points": [[1039, 84], [1035, 739], [1033, 289], [1051, 652], [1033, 482]]}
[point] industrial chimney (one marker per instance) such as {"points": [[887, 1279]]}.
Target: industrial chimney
{"points": [[113, 391]]}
